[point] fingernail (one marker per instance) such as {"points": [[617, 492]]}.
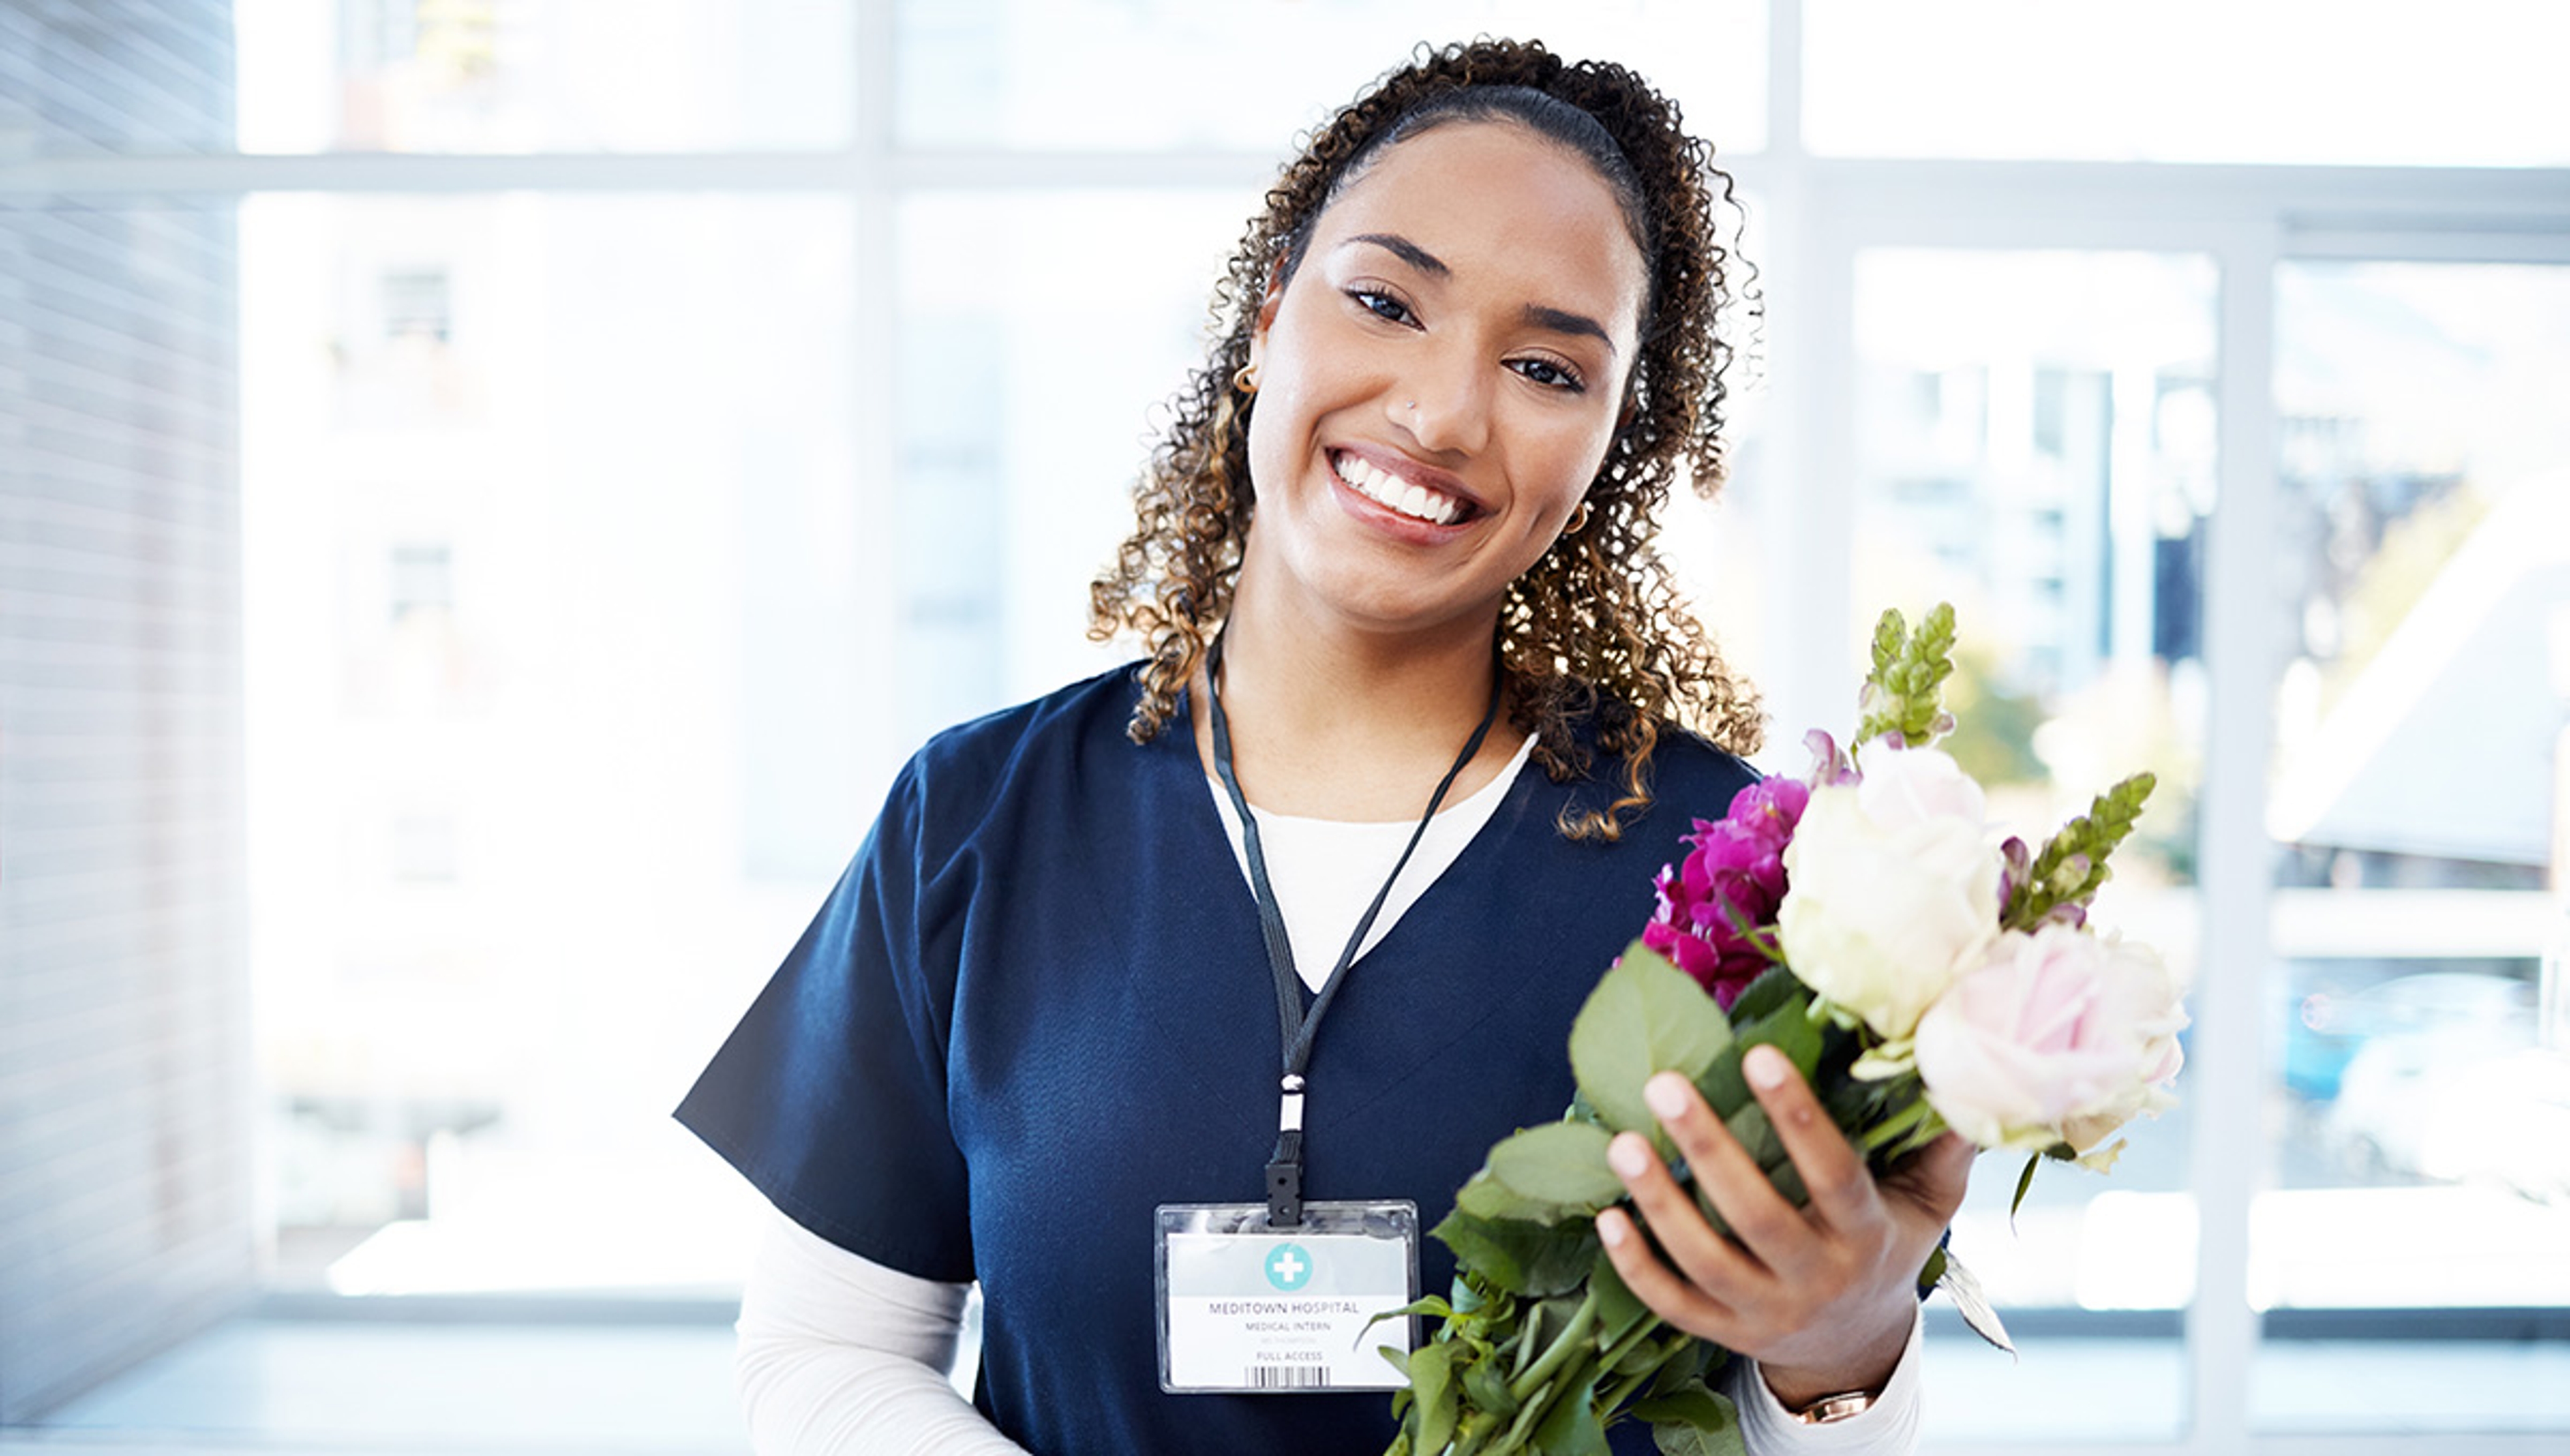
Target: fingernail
{"points": [[1666, 1095], [1612, 1231], [1628, 1155], [1763, 1065]]}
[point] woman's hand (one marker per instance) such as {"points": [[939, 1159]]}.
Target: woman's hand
{"points": [[1821, 1296]]}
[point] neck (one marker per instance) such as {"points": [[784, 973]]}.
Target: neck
{"points": [[1338, 723]]}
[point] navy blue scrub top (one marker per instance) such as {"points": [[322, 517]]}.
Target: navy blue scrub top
{"points": [[1038, 1007]]}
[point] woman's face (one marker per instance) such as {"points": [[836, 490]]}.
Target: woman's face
{"points": [[1440, 379]]}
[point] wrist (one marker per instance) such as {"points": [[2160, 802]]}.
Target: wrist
{"points": [[1859, 1367]]}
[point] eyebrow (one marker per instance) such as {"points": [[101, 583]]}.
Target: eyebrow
{"points": [[1406, 250], [1558, 320], [1563, 322]]}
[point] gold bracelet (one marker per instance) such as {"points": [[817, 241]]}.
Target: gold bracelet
{"points": [[1829, 1409]]}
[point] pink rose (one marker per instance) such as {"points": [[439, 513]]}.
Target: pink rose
{"points": [[1909, 789], [2057, 1036]]}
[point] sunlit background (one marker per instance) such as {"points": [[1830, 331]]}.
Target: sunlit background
{"points": [[493, 489]]}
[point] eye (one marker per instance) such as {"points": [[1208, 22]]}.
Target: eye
{"points": [[1550, 374], [1382, 305]]}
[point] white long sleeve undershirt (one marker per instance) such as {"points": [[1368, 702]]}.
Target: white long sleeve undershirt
{"points": [[842, 1356]]}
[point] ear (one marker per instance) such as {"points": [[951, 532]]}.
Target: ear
{"points": [[1267, 305]]}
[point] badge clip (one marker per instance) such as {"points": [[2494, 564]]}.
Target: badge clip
{"points": [[1285, 1167]]}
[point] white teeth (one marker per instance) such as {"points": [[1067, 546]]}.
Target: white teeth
{"points": [[1387, 490]]}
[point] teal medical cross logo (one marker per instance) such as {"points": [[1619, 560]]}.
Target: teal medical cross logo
{"points": [[1289, 1267]]}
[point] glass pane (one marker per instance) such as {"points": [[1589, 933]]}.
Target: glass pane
{"points": [[521, 76], [2037, 436], [547, 516], [2472, 83], [1040, 335], [1143, 74], [77, 80], [2420, 1173], [1722, 553]]}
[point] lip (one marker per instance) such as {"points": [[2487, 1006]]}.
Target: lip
{"points": [[1383, 517]]}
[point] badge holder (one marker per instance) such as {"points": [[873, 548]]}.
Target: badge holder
{"points": [[1246, 1308]]}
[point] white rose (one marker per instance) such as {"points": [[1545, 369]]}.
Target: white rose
{"points": [[1892, 888], [2059, 1036]]}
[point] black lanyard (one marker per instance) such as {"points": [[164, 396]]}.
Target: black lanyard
{"points": [[1295, 1026]]}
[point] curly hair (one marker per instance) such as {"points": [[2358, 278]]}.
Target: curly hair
{"points": [[1595, 636]]}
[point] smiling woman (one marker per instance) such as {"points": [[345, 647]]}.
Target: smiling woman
{"points": [[1462, 358], [1424, 428], [1593, 162]]}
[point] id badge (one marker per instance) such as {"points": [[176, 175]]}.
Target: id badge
{"points": [[1248, 1309]]}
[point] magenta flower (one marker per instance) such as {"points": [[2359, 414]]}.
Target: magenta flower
{"points": [[1728, 888]]}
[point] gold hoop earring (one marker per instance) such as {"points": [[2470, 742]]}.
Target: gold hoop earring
{"points": [[1245, 379], [1578, 521]]}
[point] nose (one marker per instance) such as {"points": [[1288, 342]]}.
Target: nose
{"points": [[1443, 401]]}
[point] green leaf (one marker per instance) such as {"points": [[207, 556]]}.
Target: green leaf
{"points": [[1788, 1181], [1757, 1137], [1561, 1163], [1618, 1308], [1645, 1016], [1431, 1306], [1520, 1258], [1791, 1030], [2024, 1182], [1781, 1019], [1485, 1197], [1774, 988], [1693, 1421], [1521, 1430], [1572, 1426], [1438, 1397], [1485, 1386], [1645, 1358], [1680, 1371]]}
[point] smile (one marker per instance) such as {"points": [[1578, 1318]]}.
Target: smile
{"points": [[1406, 498]]}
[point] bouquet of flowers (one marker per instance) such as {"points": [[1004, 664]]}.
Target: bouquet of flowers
{"points": [[1919, 977]]}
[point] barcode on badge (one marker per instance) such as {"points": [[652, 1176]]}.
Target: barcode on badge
{"points": [[1288, 1377]]}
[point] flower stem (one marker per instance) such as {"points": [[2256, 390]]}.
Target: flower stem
{"points": [[1648, 1326], [1471, 1434], [1900, 1124], [1563, 1346], [1519, 1428], [1623, 1389]]}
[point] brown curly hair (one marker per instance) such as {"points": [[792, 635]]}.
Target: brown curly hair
{"points": [[1595, 634]]}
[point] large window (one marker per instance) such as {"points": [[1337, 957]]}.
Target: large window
{"points": [[655, 419], [556, 638]]}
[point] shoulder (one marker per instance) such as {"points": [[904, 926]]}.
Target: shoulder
{"points": [[1700, 778], [961, 774], [1686, 777], [1689, 780], [1076, 712]]}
